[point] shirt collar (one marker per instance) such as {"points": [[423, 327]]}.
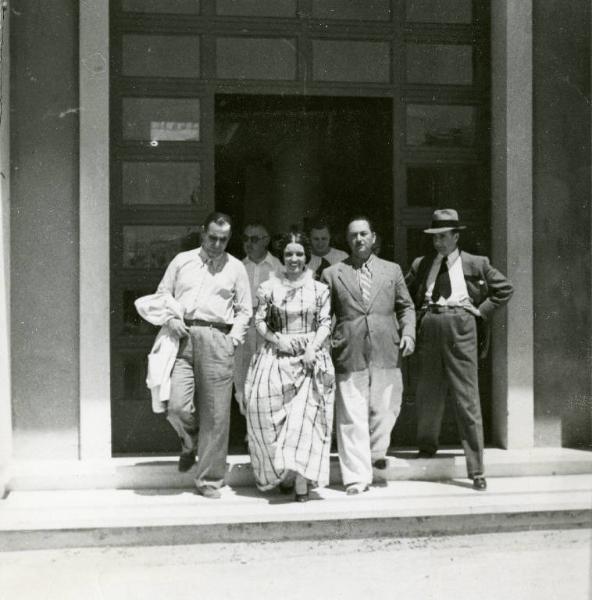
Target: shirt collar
{"points": [[216, 262], [367, 263], [268, 259], [452, 257]]}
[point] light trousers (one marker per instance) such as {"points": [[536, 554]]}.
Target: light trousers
{"points": [[367, 405], [199, 407]]}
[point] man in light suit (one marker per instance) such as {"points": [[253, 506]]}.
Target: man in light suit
{"points": [[455, 294], [374, 326]]}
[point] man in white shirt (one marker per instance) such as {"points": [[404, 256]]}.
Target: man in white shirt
{"points": [[455, 293], [260, 265], [323, 255], [213, 289]]}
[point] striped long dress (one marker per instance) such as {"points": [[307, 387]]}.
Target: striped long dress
{"points": [[289, 410]]}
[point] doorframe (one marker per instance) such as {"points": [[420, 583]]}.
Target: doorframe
{"points": [[513, 348], [95, 386]]}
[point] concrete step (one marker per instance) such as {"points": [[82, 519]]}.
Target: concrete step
{"points": [[161, 472], [78, 518]]}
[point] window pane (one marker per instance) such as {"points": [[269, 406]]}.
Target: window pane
{"points": [[369, 10], [161, 55], [453, 186], [162, 6], [161, 119], [441, 64], [249, 58], [257, 8], [161, 183], [351, 61], [437, 125], [439, 11], [154, 246]]}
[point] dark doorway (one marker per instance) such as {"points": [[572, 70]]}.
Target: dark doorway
{"points": [[285, 160]]}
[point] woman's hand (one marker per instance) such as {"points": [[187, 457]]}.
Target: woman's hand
{"points": [[309, 357], [284, 344]]}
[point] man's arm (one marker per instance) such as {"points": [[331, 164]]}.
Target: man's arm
{"points": [[243, 307], [175, 325], [500, 290], [404, 307]]}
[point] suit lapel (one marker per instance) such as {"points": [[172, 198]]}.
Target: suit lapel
{"points": [[378, 279], [349, 280]]}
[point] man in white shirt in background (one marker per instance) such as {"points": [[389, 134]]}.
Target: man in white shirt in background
{"points": [[212, 288], [323, 255], [260, 265]]}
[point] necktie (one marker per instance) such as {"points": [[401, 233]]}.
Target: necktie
{"points": [[442, 285], [365, 282]]}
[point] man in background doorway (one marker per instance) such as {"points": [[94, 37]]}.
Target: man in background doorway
{"points": [[260, 265], [323, 255], [374, 327], [455, 294]]}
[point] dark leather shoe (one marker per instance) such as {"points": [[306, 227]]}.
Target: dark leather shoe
{"points": [[286, 487], [301, 497], [186, 461], [479, 483], [424, 454], [380, 464], [209, 491]]}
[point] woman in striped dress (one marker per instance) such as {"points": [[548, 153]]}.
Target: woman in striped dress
{"points": [[290, 385]]}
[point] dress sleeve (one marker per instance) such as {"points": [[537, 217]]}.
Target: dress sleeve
{"points": [[324, 308], [263, 302]]}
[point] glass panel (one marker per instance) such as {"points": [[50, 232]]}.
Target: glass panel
{"points": [[368, 10], [161, 55], [134, 367], [351, 61], [439, 11], [437, 125], [441, 64], [133, 324], [250, 58], [161, 182], [154, 246], [453, 186], [161, 119], [162, 6], [257, 8]]}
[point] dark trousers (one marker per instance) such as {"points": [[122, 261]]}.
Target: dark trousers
{"points": [[447, 348], [199, 407]]}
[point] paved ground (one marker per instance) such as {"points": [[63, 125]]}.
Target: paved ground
{"points": [[539, 565]]}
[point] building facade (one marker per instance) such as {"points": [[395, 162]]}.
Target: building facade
{"points": [[123, 123]]}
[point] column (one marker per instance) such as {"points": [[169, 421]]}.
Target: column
{"points": [[5, 387], [512, 220]]}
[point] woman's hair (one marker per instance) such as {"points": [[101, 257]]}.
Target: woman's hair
{"points": [[295, 238]]}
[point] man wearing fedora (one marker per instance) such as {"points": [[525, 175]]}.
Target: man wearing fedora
{"points": [[455, 294]]}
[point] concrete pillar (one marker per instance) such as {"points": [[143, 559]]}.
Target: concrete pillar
{"points": [[5, 387], [562, 218], [95, 384], [512, 220]]}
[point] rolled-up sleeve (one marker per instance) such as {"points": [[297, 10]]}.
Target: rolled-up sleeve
{"points": [[243, 307]]}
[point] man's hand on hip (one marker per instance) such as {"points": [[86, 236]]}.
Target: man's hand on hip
{"points": [[407, 345], [177, 328]]}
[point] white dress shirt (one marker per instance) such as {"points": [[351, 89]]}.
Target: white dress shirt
{"points": [[458, 284], [332, 257], [214, 290], [260, 272]]}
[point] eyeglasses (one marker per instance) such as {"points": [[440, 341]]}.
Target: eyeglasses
{"points": [[254, 238]]}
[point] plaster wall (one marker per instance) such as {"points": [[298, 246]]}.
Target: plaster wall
{"points": [[44, 228], [561, 221]]}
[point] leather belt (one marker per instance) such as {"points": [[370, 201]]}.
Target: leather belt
{"points": [[439, 308], [224, 327]]}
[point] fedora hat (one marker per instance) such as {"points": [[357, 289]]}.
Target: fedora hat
{"points": [[445, 219]]}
